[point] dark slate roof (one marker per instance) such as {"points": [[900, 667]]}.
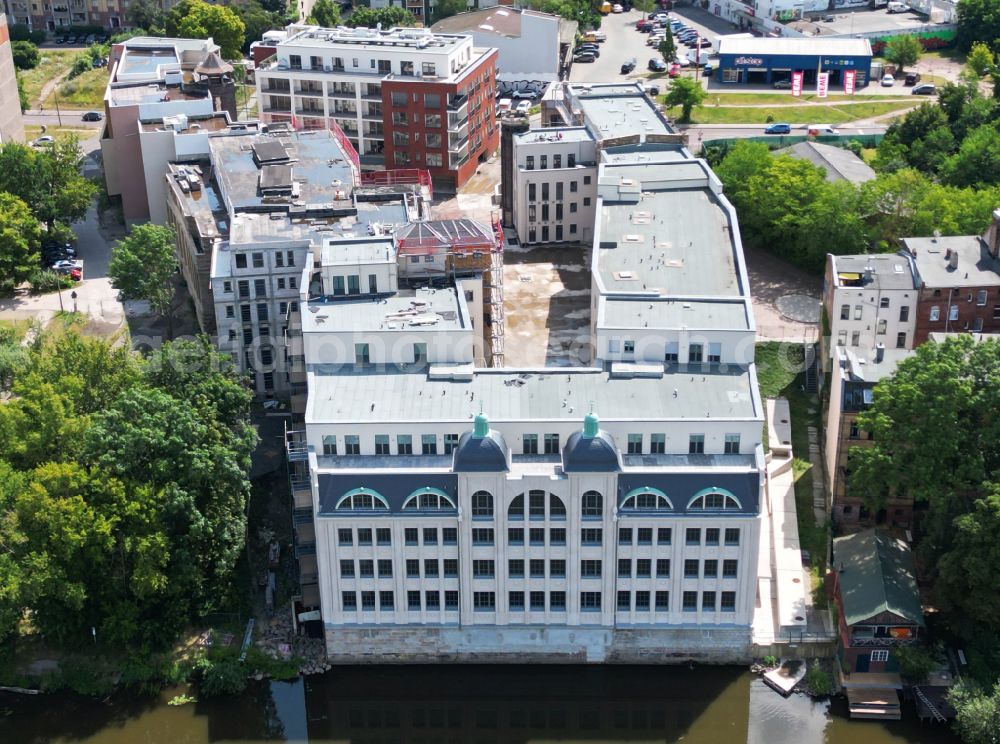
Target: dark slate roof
{"points": [[878, 576], [591, 454], [395, 487], [487, 454], [680, 488]]}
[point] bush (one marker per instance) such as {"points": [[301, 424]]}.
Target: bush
{"points": [[819, 681], [81, 64], [770, 661], [25, 55], [150, 673], [221, 677], [84, 677], [19, 32], [915, 662], [43, 280]]}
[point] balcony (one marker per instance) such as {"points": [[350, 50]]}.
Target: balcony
{"points": [[310, 92], [297, 448], [302, 516], [269, 109], [301, 492], [372, 115], [275, 89], [457, 103], [458, 143], [458, 122], [309, 112], [342, 93]]}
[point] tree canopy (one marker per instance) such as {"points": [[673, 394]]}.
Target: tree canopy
{"points": [[978, 20], [687, 93], [448, 8], [20, 239], [143, 265], [122, 488], [903, 51], [325, 13], [25, 55], [668, 47], [196, 19], [388, 17], [48, 180]]}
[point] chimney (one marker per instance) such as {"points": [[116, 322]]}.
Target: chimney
{"points": [[953, 260], [992, 236], [879, 352]]}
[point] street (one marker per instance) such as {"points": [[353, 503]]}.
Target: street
{"points": [[698, 133]]}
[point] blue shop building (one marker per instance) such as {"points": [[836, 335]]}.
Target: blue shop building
{"points": [[766, 60]]}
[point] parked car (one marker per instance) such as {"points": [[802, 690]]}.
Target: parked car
{"points": [[61, 40], [585, 57], [627, 67], [829, 18], [616, 8], [657, 65], [912, 78], [707, 70], [705, 43], [93, 116], [785, 84], [44, 140], [924, 89], [778, 129], [888, 81], [682, 61], [653, 91], [587, 50], [600, 36], [587, 46], [524, 93], [504, 104], [674, 71], [644, 26], [818, 129], [66, 265], [523, 107]]}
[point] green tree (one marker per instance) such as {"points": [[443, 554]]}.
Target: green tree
{"points": [[142, 267], [447, 8], [977, 161], [977, 711], [25, 55], [915, 662], [903, 51], [196, 19], [20, 239], [256, 20], [49, 181], [644, 6], [978, 20], [325, 13], [686, 93], [388, 17], [980, 59], [146, 14], [22, 94], [667, 47]]}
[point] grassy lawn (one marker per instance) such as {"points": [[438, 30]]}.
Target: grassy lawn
{"points": [[750, 99], [54, 62], [33, 131], [831, 114], [15, 330], [778, 374], [83, 92]]}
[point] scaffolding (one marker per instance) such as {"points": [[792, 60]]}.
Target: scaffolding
{"points": [[466, 248]]}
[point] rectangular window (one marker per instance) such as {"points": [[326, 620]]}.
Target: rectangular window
{"points": [[729, 568], [643, 568], [259, 288], [412, 568], [515, 600], [590, 569], [352, 445], [692, 536], [664, 535], [544, 164], [431, 568], [708, 601], [557, 536], [732, 536], [450, 568], [714, 353], [904, 313], [732, 446], [590, 601], [410, 535], [691, 568], [350, 600], [625, 535], [710, 569], [642, 601], [449, 536], [366, 569], [483, 569], [241, 261], [529, 162], [557, 601], [689, 601], [635, 444], [557, 568], [625, 568], [884, 303], [728, 603], [404, 444], [981, 298], [430, 536], [696, 444], [935, 313], [450, 443], [590, 536], [413, 600], [881, 328], [644, 536], [385, 600], [537, 600], [901, 339], [515, 536], [711, 535], [551, 444], [364, 536], [953, 312], [624, 601], [515, 568], [529, 444], [855, 338], [880, 655], [432, 600], [381, 444], [345, 536], [484, 601], [361, 354], [845, 312], [428, 444], [367, 600], [347, 569], [329, 444], [536, 536], [536, 568], [383, 536], [663, 568], [482, 536], [857, 312], [451, 600], [662, 600]]}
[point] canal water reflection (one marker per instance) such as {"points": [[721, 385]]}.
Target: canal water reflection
{"points": [[470, 704]]}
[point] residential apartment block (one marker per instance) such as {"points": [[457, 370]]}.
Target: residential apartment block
{"points": [[52, 15], [613, 512], [403, 98], [11, 124]]}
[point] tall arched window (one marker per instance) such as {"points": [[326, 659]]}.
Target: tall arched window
{"points": [[714, 499], [361, 499], [557, 509], [646, 499], [428, 499], [592, 505], [482, 505], [515, 511]]}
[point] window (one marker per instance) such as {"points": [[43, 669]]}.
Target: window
{"points": [[981, 298], [732, 536], [714, 353], [338, 286], [880, 655], [644, 536], [657, 444], [367, 600], [711, 569], [412, 568], [432, 600], [449, 536], [845, 312], [729, 568], [977, 324], [428, 501], [383, 536], [241, 262], [360, 499], [624, 601], [329, 444], [352, 445], [536, 504], [689, 601], [625, 568], [904, 313], [592, 505], [366, 569], [645, 500], [664, 535], [385, 568], [728, 603], [881, 328], [381, 444], [230, 311], [901, 338], [586, 199], [855, 432], [259, 288], [625, 535], [855, 338], [696, 444], [635, 444], [662, 599], [695, 352], [590, 601], [450, 567], [515, 536], [413, 600], [482, 569], [434, 159], [732, 445], [642, 601], [590, 569], [557, 509], [484, 601], [714, 500], [712, 536], [543, 164], [953, 312], [482, 536], [515, 568], [515, 600], [450, 443], [557, 601], [692, 536], [708, 601], [663, 568], [842, 338], [361, 356], [410, 535], [428, 444], [404, 444], [557, 568], [430, 536], [345, 536], [350, 600], [551, 444], [347, 569], [536, 568], [431, 568], [857, 312], [557, 536], [451, 600], [590, 536], [529, 444], [482, 505], [691, 568], [643, 568], [385, 600], [529, 162]]}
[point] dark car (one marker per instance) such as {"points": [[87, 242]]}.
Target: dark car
{"points": [[587, 50], [705, 43], [657, 65], [707, 70], [924, 89], [912, 78], [61, 40], [93, 116], [778, 129], [785, 84], [628, 67], [585, 57]]}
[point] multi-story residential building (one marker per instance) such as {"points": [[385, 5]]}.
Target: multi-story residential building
{"points": [[853, 376], [162, 97], [11, 124], [959, 280], [53, 15], [869, 299], [403, 98], [446, 511]]}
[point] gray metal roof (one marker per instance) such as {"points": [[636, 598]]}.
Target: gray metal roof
{"points": [[488, 454], [876, 271], [583, 454], [620, 110], [806, 46], [681, 487], [394, 487], [374, 394], [839, 163], [657, 313], [976, 267]]}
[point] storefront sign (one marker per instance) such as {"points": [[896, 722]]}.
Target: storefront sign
{"points": [[749, 61], [849, 76], [822, 84], [797, 84]]}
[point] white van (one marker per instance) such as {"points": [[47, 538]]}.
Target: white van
{"points": [[895, 7]]}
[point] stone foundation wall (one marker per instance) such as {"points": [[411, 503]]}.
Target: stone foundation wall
{"points": [[540, 645]]}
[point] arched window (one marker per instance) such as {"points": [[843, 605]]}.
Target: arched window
{"points": [[557, 509], [516, 509], [714, 499], [428, 499], [482, 505], [592, 505], [361, 499], [646, 499]]}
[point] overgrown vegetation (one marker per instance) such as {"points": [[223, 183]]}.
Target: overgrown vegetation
{"points": [[915, 662], [819, 681]]}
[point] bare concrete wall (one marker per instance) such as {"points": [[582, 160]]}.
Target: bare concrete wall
{"points": [[11, 123]]}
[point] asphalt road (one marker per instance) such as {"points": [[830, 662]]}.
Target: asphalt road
{"points": [[68, 118], [704, 132]]}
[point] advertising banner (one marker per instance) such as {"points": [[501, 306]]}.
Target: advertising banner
{"points": [[849, 77], [797, 84], [822, 84]]}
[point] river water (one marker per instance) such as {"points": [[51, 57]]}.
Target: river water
{"points": [[469, 705]]}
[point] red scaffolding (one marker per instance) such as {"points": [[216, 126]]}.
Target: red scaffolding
{"points": [[400, 176]]}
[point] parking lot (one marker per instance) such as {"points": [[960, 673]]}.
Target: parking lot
{"points": [[859, 21]]}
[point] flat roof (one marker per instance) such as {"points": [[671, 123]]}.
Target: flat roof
{"points": [[795, 46], [976, 267], [500, 20], [676, 240], [141, 60], [214, 122], [370, 38], [631, 312], [554, 134], [404, 312], [863, 364], [620, 110], [877, 271], [839, 163], [347, 394], [153, 91], [361, 251], [321, 174]]}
